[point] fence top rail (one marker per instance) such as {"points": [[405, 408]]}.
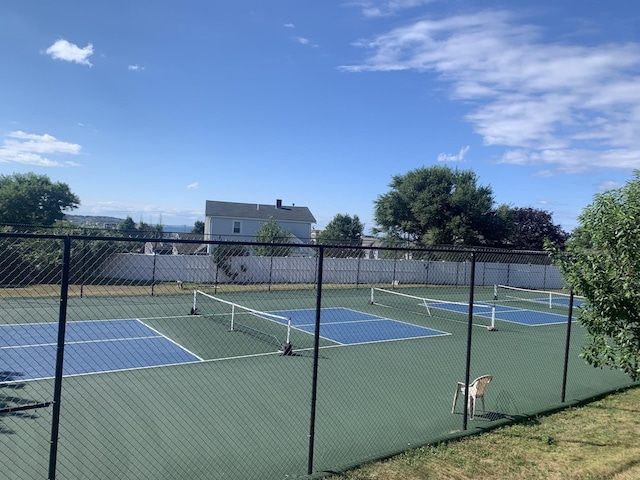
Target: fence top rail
{"points": [[414, 249]]}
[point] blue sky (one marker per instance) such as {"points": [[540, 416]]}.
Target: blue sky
{"points": [[149, 108]]}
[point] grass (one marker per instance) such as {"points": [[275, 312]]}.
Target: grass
{"points": [[600, 440]]}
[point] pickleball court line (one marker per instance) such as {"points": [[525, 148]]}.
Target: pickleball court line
{"points": [[508, 310], [365, 318], [170, 340]]}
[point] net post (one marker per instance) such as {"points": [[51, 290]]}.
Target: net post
{"points": [[289, 331], [233, 315], [287, 348], [550, 300], [492, 327], [371, 298]]}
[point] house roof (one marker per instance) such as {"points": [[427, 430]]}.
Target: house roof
{"points": [[259, 211]]}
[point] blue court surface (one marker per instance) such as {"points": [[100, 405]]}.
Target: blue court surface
{"points": [[28, 351], [559, 301], [532, 318], [350, 327]]}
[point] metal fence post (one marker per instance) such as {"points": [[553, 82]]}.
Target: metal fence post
{"points": [[57, 393], [469, 329], [566, 349], [316, 350]]}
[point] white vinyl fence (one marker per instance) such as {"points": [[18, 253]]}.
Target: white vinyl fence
{"points": [[295, 270]]}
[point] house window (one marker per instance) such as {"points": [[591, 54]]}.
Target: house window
{"points": [[236, 226]]}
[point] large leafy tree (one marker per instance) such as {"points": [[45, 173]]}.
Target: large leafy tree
{"points": [[343, 229], [31, 199], [271, 232], [602, 263], [531, 227], [440, 205]]}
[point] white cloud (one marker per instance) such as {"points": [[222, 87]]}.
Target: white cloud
{"points": [[454, 157], [289, 25], [573, 107], [305, 41], [609, 185], [384, 8], [192, 186], [69, 52], [135, 68], [32, 149], [544, 174]]}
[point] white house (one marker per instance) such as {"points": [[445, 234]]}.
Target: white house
{"points": [[231, 221]]}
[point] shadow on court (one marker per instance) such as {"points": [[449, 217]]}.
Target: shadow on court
{"points": [[11, 404]]}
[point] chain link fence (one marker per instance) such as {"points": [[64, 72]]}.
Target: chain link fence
{"points": [[269, 360]]}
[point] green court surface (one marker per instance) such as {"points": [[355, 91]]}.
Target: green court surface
{"points": [[244, 411]]}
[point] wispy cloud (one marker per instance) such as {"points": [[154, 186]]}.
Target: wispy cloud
{"points": [[305, 41], [454, 157], [135, 68], [69, 52], [152, 214], [32, 149], [385, 8], [609, 185], [192, 186], [289, 25], [573, 107]]}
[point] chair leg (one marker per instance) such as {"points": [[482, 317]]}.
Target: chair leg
{"points": [[455, 400], [472, 407]]}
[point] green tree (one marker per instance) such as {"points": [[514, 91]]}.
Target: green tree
{"points": [[531, 228], [342, 230], [198, 227], [31, 199], [602, 263], [439, 206], [127, 226], [150, 231], [271, 232]]}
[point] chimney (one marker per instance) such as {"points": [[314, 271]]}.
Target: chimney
{"points": [[278, 203]]}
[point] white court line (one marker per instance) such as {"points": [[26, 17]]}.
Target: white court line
{"points": [[170, 340], [101, 340]]}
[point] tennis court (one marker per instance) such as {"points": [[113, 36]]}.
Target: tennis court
{"points": [[153, 389], [346, 326], [505, 313], [29, 350]]}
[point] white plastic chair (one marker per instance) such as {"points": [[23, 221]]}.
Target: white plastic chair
{"points": [[476, 391]]}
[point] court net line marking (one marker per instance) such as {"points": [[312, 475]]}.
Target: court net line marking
{"points": [[78, 342]]}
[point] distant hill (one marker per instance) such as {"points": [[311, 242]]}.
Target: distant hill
{"points": [[111, 222], [93, 221]]}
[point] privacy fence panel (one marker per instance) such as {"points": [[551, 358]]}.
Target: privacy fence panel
{"points": [[119, 359]]}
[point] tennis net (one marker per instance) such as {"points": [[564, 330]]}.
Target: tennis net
{"points": [[483, 313], [550, 299], [264, 326]]}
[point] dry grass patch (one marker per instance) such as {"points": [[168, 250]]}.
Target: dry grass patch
{"points": [[600, 440]]}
